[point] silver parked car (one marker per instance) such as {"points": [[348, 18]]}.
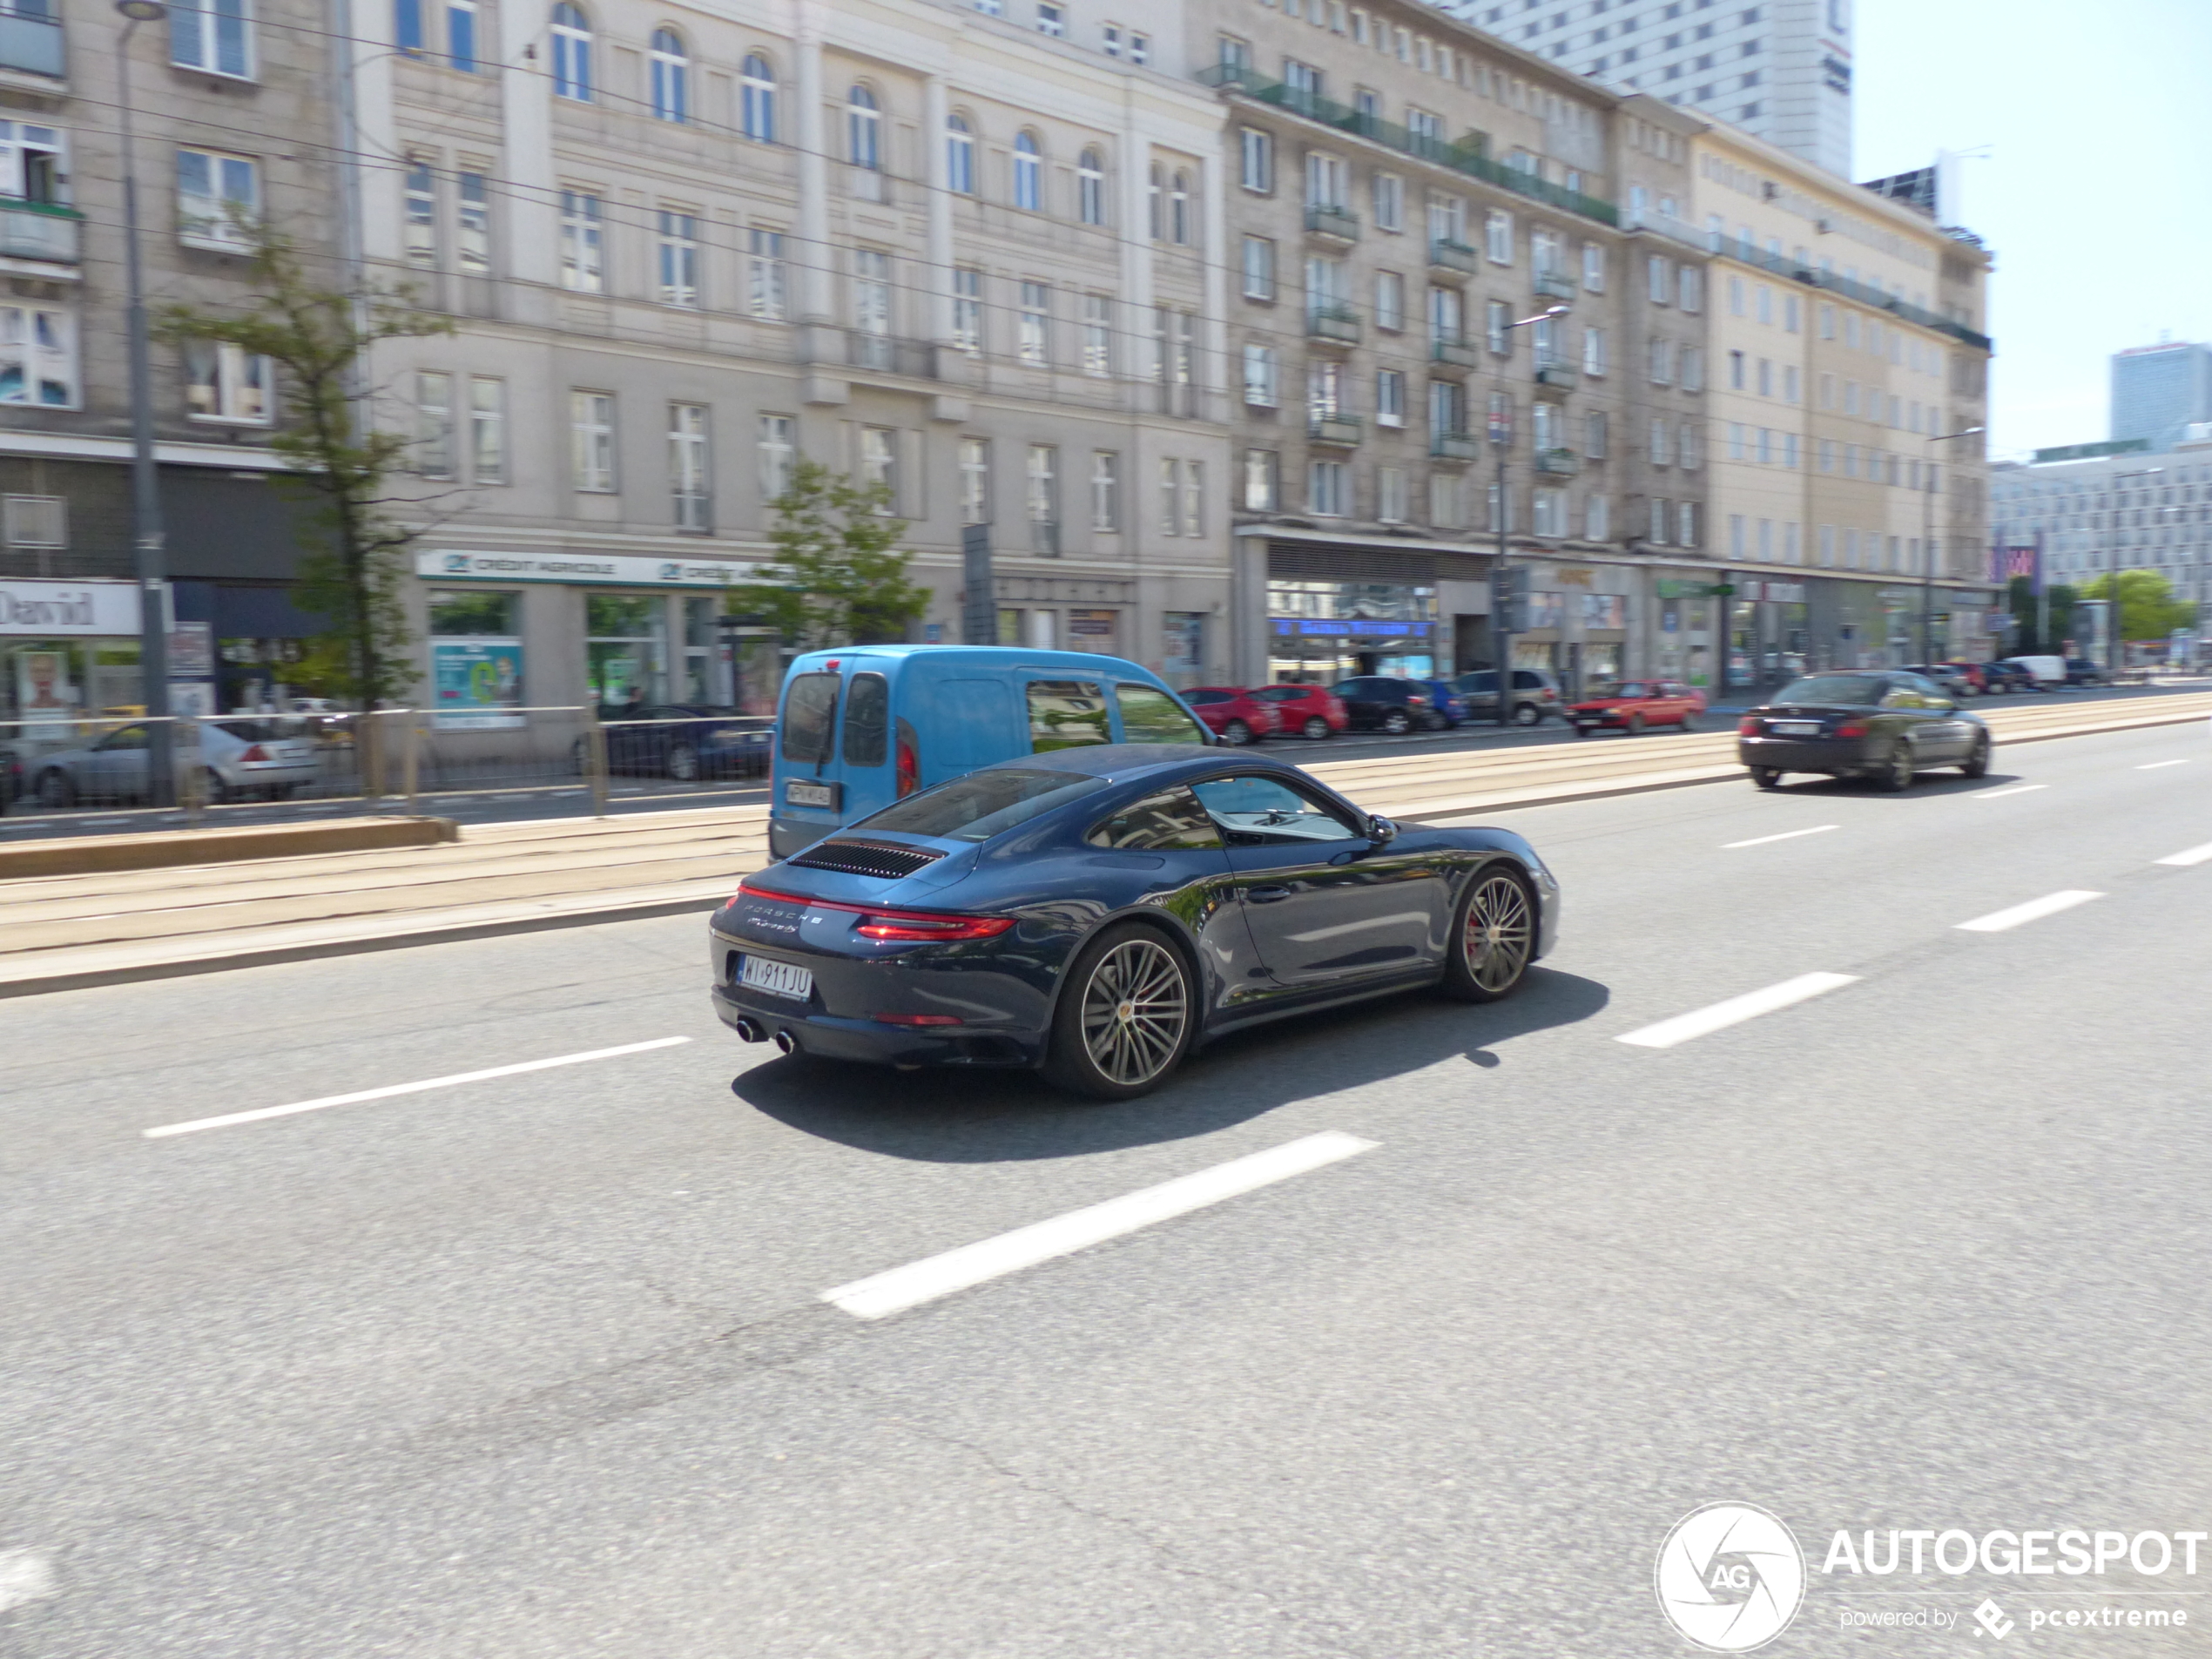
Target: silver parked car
{"points": [[237, 758]]}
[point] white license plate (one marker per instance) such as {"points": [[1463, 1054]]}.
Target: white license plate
{"points": [[800, 794], [1796, 728], [777, 979]]}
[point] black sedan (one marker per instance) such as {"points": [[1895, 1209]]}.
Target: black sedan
{"points": [[684, 741], [1885, 726], [1098, 913]]}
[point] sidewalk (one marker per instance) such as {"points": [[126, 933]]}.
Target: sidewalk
{"points": [[61, 932]]}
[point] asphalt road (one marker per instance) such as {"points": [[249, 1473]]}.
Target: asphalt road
{"points": [[22, 820], [540, 1364]]}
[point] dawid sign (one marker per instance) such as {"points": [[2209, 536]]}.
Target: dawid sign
{"points": [[615, 570], [67, 610]]}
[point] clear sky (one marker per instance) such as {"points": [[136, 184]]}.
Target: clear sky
{"points": [[2096, 196]]}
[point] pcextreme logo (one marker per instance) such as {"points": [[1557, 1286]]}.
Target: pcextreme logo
{"points": [[1730, 1577]]}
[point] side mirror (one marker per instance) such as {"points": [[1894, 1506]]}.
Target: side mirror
{"points": [[1382, 831]]}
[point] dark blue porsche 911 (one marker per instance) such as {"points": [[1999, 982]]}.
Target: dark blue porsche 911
{"points": [[1097, 912]]}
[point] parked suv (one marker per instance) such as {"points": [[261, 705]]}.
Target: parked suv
{"points": [[1535, 694], [1376, 702]]}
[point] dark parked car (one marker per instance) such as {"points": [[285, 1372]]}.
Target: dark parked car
{"points": [[1885, 726], [1098, 912], [1232, 713], [686, 741], [1312, 712], [1376, 702], [2079, 670], [2006, 677], [1535, 694]]}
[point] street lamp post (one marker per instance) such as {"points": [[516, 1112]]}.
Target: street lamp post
{"points": [[1500, 441], [149, 554], [1928, 535]]}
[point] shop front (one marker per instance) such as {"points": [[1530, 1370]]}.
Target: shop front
{"points": [[1333, 614], [69, 650]]}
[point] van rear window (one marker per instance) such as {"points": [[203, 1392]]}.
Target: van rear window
{"points": [[809, 716], [867, 715]]}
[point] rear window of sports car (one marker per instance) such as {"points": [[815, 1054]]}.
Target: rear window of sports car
{"points": [[982, 804]]}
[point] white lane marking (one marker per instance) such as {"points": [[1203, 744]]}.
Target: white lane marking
{"points": [[2194, 855], [2018, 789], [1786, 835], [2034, 910], [1736, 1010], [260, 1112], [956, 1269], [1397, 920], [25, 1575], [2153, 766]]}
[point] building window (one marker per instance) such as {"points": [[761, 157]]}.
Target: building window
{"points": [[1262, 474], [1324, 179], [219, 199], [1594, 435], [1042, 484], [1498, 327], [406, 26], [1390, 495], [1593, 353], [765, 273], [879, 465], [679, 258], [756, 99], [591, 441], [1256, 158], [693, 501], [863, 130], [968, 310], [1736, 371], [1497, 237], [960, 156], [474, 244], [461, 34], [1194, 498], [778, 453], [1390, 397], [1447, 501], [487, 430], [1690, 444], [1390, 300], [433, 455], [1446, 324], [1140, 47], [1170, 494], [1693, 369], [1593, 268], [1105, 491], [1259, 268], [1324, 390], [1261, 386], [421, 200], [1690, 288], [1028, 174], [212, 35], [1662, 362], [1098, 336], [223, 383], [1179, 222], [1597, 519], [1326, 497], [1686, 524], [1550, 512], [1447, 410], [582, 253], [872, 293], [571, 53], [1034, 324], [974, 481], [1090, 187], [1662, 442], [1388, 191], [672, 77]]}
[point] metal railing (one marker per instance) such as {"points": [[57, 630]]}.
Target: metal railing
{"points": [[1455, 352], [45, 230], [1445, 254], [1339, 325], [1344, 429], [1454, 446], [889, 354], [32, 44], [1323, 219]]}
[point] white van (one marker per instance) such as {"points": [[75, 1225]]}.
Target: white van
{"points": [[2048, 671]]}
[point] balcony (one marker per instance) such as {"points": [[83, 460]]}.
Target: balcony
{"points": [[1554, 284], [1454, 353], [1557, 375], [1044, 537], [1332, 324], [31, 45], [1559, 463], [1455, 446], [1453, 258], [887, 354], [1337, 224], [1342, 429], [38, 231]]}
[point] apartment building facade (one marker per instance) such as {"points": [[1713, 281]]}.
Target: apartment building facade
{"points": [[971, 257], [1409, 202], [2120, 506], [233, 120], [1848, 484]]}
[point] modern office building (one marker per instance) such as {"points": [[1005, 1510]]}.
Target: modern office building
{"points": [[975, 257], [2158, 392], [2095, 513], [233, 117], [1780, 70]]}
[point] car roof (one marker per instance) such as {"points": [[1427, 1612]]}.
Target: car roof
{"points": [[1000, 656], [1118, 762]]}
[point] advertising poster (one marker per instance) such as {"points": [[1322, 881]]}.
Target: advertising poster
{"points": [[42, 688], [476, 683]]}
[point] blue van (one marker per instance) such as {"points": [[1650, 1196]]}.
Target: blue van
{"points": [[859, 728]]}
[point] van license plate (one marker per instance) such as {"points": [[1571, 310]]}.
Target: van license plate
{"points": [[797, 793], [777, 979], [1796, 728]]}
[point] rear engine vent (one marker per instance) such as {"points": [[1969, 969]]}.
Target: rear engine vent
{"points": [[864, 858]]}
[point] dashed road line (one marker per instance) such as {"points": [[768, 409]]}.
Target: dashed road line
{"points": [[2191, 856], [2000, 794], [1786, 835], [2050, 904], [2153, 766], [1703, 1022]]}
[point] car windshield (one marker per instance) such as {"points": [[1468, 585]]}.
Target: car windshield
{"points": [[981, 804], [1853, 691], [1628, 688]]}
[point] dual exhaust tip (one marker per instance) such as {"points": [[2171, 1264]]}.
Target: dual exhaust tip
{"points": [[753, 1031]]}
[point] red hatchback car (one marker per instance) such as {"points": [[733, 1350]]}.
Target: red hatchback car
{"points": [[1633, 704], [1312, 712], [1232, 713]]}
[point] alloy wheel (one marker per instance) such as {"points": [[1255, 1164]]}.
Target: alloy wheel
{"points": [[1396, 724], [1316, 729], [1238, 733], [1135, 1011], [1526, 714], [684, 763], [1500, 929]]}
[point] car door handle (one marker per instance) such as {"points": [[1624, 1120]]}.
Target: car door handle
{"points": [[1266, 895]]}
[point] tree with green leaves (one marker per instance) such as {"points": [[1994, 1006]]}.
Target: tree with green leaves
{"points": [[838, 577], [352, 550], [2148, 609]]}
